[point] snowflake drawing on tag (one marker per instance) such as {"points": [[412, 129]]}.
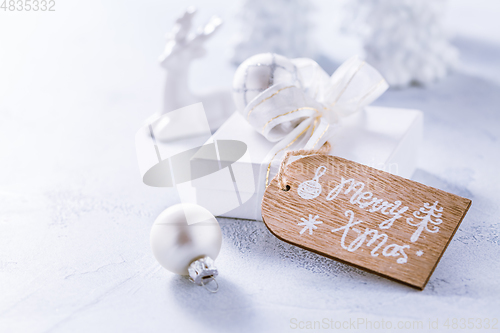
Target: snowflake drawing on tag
{"points": [[310, 189], [419, 253], [309, 224]]}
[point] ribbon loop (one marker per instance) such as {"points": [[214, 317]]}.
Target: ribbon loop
{"points": [[280, 109]]}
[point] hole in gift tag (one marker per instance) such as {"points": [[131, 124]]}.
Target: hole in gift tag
{"points": [[287, 188]]}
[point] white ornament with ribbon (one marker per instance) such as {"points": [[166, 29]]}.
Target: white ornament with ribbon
{"points": [[300, 107]]}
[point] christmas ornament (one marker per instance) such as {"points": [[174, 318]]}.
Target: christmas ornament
{"points": [[260, 72], [310, 189], [365, 217], [186, 239]]}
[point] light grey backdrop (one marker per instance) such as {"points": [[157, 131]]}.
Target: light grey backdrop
{"points": [[76, 84]]}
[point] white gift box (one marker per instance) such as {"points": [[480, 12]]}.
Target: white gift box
{"points": [[384, 138]]}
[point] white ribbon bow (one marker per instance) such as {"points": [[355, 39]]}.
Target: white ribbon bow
{"points": [[305, 117]]}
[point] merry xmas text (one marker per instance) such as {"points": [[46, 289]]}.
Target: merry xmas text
{"points": [[366, 200]]}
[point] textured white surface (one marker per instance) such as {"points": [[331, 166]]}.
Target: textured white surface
{"points": [[75, 217]]}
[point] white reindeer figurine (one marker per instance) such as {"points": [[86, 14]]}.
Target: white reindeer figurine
{"points": [[181, 49]]}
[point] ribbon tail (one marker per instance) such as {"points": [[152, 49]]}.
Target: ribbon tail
{"points": [[293, 139], [322, 133]]}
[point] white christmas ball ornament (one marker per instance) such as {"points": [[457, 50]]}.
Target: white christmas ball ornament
{"points": [[260, 72], [185, 239]]}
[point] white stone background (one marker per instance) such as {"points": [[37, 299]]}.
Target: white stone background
{"points": [[77, 83]]}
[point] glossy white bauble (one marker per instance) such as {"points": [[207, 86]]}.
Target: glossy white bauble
{"points": [[183, 233], [260, 72]]}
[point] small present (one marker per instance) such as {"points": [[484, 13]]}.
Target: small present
{"points": [[293, 104]]}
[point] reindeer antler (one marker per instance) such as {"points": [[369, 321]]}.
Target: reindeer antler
{"points": [[181, 39]]}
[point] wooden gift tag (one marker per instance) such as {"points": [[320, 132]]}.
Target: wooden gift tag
{"points": [[368, 218]]}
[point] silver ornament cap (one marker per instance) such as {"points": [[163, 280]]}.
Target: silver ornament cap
{"points": [[202, 271]]}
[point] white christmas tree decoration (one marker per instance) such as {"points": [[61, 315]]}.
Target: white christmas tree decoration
{"points": [[404, 39], [278, 26], [430, 212], [309, 224]]}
